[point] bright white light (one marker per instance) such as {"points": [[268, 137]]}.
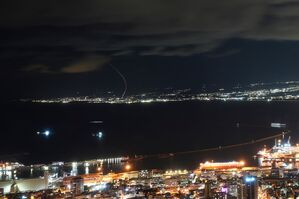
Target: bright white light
{"points": [[86, 170], [47, 133]]}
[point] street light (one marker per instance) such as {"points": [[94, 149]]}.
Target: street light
{"points": [[128, 167]]}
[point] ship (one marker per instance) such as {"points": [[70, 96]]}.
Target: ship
{"points": [[282, 155]]}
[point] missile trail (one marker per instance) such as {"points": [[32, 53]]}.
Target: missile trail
{"points": [[123, 78]]}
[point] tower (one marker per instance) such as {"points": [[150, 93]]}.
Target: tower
{"points": [[249, 188], [208, 192]]}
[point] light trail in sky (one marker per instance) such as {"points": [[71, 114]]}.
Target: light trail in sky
{"points": [[123, 78]]}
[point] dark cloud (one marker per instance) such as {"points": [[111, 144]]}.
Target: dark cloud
{"points": [[88, 64], [84, 65], [36, 32], [223, 54]]}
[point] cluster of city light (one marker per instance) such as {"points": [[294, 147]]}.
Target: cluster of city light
{"points": [[8, 166], [176, 172], [252, 92], [220, 179]]}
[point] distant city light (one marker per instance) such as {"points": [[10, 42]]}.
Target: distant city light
{"points": [[278, 91]]}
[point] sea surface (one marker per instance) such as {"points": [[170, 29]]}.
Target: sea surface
{"points": [[141, 129]]}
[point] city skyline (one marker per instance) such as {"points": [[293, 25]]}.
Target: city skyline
{"points": [[256, 92], [149, 99]]}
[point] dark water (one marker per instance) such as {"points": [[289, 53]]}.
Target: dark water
{"points": [[141, 129]]}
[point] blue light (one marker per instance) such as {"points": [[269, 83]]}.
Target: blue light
{"points": [[100, 135], [47, 133], [249, 179]]}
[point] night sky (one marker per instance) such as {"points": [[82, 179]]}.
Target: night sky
{"points": [[61, 48], [54, 48]]}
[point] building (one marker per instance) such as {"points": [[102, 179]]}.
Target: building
{"points": [[208, 190], [248, 188], [221, 165], [32, 184], [91, 179], [240, 191], [74, 184]]}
